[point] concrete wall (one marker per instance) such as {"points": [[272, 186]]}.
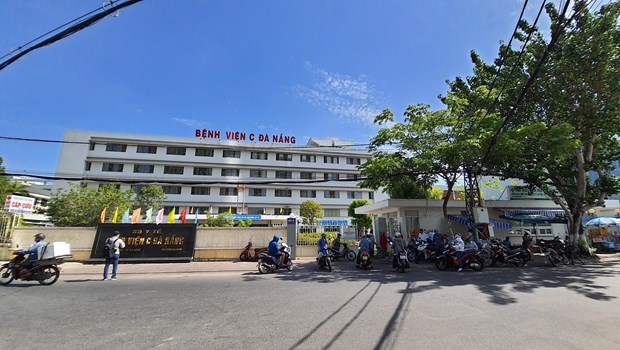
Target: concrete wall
{"points": [[213, 243]]}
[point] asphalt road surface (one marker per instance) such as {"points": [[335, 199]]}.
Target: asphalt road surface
{"points": [[502, 308]]}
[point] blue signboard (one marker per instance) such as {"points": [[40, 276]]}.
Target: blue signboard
{"points": [[246, 216], [334, 222]]}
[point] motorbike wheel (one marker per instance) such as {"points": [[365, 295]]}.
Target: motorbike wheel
{"points": [[289, 265], [554, 261], [493, 261], [262, 268], [441, 264], [328, 264], [477, 264], [411, 256], [48, 275], [351, 255], [6, 275], [244, 257], [419, 257], [519, 261], [565, 260]]}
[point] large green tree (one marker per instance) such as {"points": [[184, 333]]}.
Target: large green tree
{"points": [[563, 138], [82, 206], [151, 196], [311, 210], [360, 220], [8, 186]]}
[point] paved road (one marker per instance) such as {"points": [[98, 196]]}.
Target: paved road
{"points": [[229, 305]]}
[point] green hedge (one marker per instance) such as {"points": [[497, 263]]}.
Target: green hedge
{"points": [[313, 239]]}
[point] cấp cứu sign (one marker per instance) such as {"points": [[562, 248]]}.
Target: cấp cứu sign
{"points": [[148, 242]]}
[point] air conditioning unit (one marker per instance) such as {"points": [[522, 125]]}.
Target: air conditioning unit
{"points": [[481, 216]]}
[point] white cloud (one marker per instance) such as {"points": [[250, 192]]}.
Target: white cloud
{"points": [[347, 97], [189, 122]]}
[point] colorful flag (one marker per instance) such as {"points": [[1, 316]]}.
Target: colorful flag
{"points": [[135, 216], [115, 215], [102, 216], [171, 217], [183, 215], [229, 210], [196, 216], [149, 216], [160, 216], [125, 219]]}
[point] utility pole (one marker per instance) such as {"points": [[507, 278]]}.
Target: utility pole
{"points": [[474, 206]]}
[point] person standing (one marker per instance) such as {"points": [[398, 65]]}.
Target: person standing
{"points": [[118, 244], [459, 247]]}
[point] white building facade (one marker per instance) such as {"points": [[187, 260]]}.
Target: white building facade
{"points": [[263, 181]]}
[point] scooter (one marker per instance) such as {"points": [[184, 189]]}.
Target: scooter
{"points": [[346, 252], [268, 263], [515, 257], [45, 271], [246, 254], [449, 259], [402, 262], [325, 260], [365, 261]]}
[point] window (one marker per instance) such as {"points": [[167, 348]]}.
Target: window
{"points": [[171, 189], [228, 191], [116, 186], [352, 176], [284, 157], [203, 171], [257, 192], [331, 194], [259, 155], [282, 211], [307, 194], [115, 147], [91, 146], [87, 166], [113, 167], [231, 154], [223, 210], [354, 194], [331, 212], [354, 161], [179, 151], [258, 173], [175, 170], [307, 176], [371, 195], [256, 211], [146, 149], [284, 174], [307, 158], [204, 152], [168, 209], [331, 176], [137, 188], [284, 193], [332, 160], [143, 168], [230, 172], [201, 191]]}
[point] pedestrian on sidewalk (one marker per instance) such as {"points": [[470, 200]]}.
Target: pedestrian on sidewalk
{"points": [[117, 243]]}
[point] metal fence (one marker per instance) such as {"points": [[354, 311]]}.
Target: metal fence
{"points": [[309, 235], [7, 221]]}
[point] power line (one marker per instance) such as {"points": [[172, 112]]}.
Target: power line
{"points": [[82, 24]]}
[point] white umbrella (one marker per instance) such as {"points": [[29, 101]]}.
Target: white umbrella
{"points": [[602, 222]]}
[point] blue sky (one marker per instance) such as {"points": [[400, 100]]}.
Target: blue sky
{"points": [[306, 68]]}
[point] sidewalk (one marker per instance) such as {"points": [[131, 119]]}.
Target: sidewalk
{"points": [[76, 268]]}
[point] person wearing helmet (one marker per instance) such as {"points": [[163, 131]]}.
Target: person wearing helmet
{"points": [[336, 244], [322, 247], [33, 253], [398, 244], [527, 239], [459, 247]]}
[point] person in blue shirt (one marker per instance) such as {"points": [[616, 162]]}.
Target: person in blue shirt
{"points": [[274, 249], [364, 247], [322, 247], [33, 253], [507, 243]]}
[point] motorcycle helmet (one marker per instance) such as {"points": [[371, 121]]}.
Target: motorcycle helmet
{"points": [[40, 235], [398, 234], [339, 235]]}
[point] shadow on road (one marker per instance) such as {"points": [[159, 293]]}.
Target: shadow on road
{"points": [[497, 283]]}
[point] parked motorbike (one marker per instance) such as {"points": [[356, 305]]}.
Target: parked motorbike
{"points": [[515, 257], [46, 271], [412, 249], [448, 259], [268, 263], [425, 252], [346, 252], [247, 255], [325, 260]]}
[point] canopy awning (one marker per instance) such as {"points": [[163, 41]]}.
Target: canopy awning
{"points": [[465, 221], [547, 212]]}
